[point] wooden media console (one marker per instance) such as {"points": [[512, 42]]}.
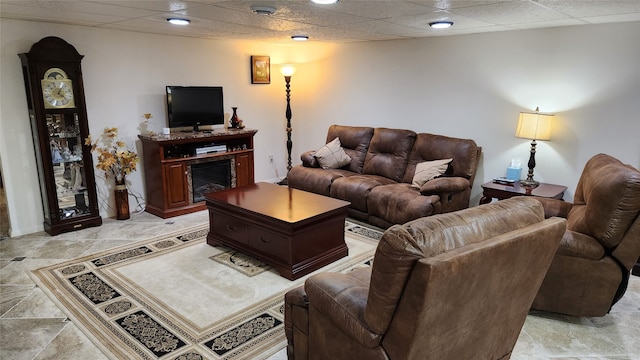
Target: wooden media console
{"points": [[170, 163]]}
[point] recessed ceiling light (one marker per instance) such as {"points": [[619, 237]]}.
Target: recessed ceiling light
{"points": [[300, 37], [441, 24], [178, 21], [324, 2], [263, 10]]}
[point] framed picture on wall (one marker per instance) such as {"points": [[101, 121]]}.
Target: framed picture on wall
{"points": [[260, 69]]}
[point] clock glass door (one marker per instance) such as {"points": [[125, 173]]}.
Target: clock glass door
{"points": [[65, 143]]}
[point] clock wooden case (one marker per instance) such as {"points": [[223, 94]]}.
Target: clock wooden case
{"points": [[58, 116]]}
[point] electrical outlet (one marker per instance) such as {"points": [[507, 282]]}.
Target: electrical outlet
{"points": [[270, 158]]}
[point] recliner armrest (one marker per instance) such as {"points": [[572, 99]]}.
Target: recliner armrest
{"points": [[580, 245], [341, 298], [308, 160], [554, 207], [444, 185], [296, 323]]}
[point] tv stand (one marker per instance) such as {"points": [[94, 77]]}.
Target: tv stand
{"points": [[167, 161]]}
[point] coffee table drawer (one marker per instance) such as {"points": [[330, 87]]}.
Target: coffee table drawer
{"points": [[269, 243], [230, 227]]}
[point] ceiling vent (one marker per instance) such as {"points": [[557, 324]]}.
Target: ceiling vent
{"points": [[263, 10]]}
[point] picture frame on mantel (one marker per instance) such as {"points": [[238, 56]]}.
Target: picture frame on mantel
{"points": [[260, 69]]}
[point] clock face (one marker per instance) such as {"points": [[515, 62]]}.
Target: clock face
{"points": [[57, 90], [57, 94]]}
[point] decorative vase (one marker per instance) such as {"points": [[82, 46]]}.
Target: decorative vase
{"points": [[234, 122], [122, 200]]}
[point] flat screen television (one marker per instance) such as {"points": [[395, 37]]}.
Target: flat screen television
{"points": [[193, 106]]}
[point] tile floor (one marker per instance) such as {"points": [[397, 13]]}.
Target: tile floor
{"points": [[32, 327]]}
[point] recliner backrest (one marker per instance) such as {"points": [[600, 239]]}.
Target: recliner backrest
{"points": [[388, 153], [401, 246], [471, 302], [607, 200], [355, 142], [428, 147]]}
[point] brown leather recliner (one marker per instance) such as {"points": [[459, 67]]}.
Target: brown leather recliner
{"points": [[590, 272], [449, 286]]}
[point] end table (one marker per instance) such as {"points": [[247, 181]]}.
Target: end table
{"points": [[492, 190]]}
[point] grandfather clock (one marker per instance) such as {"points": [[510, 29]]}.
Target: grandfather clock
{"points": [[58, 116]]}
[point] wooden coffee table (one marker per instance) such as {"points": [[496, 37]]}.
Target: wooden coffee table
{"points": [[294, 231]]}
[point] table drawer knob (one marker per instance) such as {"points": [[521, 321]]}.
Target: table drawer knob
{"points": [[263, 240], [231, 228]]}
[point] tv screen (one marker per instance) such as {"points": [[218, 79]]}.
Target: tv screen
{"points": [[193, 106]]}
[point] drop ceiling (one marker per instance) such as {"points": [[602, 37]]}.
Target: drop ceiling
{"points": [[346, 21]]}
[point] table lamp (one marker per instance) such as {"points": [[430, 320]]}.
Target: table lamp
{"points": [[534, 126]]}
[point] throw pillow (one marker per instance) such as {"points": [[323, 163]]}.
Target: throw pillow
{"points": [[332, 156], [428, 170]]}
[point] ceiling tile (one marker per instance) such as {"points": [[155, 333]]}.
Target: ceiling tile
{"points": [[582, 8], [346, 21], [506, 13]]}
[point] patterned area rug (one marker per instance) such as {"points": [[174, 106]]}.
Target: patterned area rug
{"points": [[164, 298]]}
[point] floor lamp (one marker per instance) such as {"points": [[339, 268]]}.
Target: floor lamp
{"points": [[534, 126], [288, 71]]}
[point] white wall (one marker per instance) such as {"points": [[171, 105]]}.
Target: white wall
{"points": [[125, 75], [474, 86], [469, 86]]}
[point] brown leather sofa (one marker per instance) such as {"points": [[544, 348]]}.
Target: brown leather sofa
{"points": [[378, 179], [449, 286], [590, 272]]}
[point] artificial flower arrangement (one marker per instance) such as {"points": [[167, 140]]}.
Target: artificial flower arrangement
{"points": [[113, 156]]}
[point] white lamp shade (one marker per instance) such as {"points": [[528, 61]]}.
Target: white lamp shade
{"points": [[287, 70], [534, 126]]}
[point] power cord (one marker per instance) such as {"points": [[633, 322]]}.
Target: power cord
{"points": [[275, 168], [140, 207]]}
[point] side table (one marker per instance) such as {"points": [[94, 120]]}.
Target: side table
{"points": [[492, 190]]}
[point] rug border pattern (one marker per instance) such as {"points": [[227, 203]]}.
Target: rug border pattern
{"points": [[125, 346]]}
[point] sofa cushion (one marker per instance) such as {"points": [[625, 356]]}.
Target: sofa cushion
{"points": [[355, 189], [331, 156], [429, 170], [315, 180], [399, 203], [354, 141], [388, 153]]}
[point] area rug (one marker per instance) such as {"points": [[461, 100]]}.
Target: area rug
{"points": [[166, 298]]}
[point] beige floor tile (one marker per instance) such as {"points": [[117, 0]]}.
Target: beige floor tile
{"points": [[71, 343], [569, 336], [12, 295], [35, 305], [23, 339]]}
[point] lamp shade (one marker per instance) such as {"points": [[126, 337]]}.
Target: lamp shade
{"points": [[287, 70], [534, 126]]}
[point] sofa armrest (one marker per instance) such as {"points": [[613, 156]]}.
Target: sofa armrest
{"points": [[341, 300], [444, 185], [308, 160], [554, 207]]}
